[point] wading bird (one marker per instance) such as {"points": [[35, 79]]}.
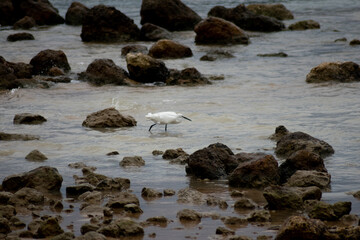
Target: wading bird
{"points": [[165, 118]]}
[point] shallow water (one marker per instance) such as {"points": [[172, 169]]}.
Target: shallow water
{"points": [[256, 96]]}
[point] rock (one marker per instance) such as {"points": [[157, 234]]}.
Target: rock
{"points": [[246, 19], [237, 193], [244, 203], [216, 54], [151, 32], [4, 226], [133, 208], [224, 231], [187, 77], [47, 59], [136, 161], [107, 24], [25, 23], [92, 236], [91, 197], [122, 199], [134, 48], [157, 152], [290, 197], [296, 141], [4, 197], [304, 25], [109, 117], [169, 49], [334, 71], [55, 71], [325, 211], [305, 178], [28, 118], [89, 227], [173, 153], [216, 201], [20, 37], [189, 215], [41, 178], [113, 153], [234, 222], [11, 72], [50, 227], [167, 192], [36, 156], [349, 233], [349, 220], [278, 11], [280, 132], [344, 39], [173, 15], [104, 71], [213, 30], [244, 157], [79, 189], [158, 221], [27, 196], [64, 236], [354, 42], [145, 69], [17, 137], [8, 211], [150, 193], [259, 216], [42, 12], [191, 196], [356, 194], [76, 13], [296, 226], [7, 13], [279, 54], [255, 174], [124, 227]]}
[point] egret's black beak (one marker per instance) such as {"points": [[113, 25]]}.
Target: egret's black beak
{"points": [[186, 118]]}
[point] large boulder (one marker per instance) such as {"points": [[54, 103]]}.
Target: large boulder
{"points": [[75, 13], [43, 12], [304, 25], [301, 160], [152, 32], [256, 174], [187, 77], [278, 11], [47, 59], [246, 19], [145, 69], [104, 71], [169, 49], [334, 71], [28, 118], [215, 30], [173, 15], [303, 178], [296, 141], [42, 178], [107, 24], [109, 117], [212, 162]]}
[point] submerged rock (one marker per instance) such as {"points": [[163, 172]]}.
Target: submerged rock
{"points": [[76, 13], [304, 25], [186, 77], [152, 32], [214, 30], [20, 37], [107, 24], [334, 71], [124, 227], [354, 42], [173, 15], [278, 11], [36, 156], [109, 117], [189, 215], [279, 54], [28, 118], [17, 137], [149, 193], [191, 196], [47, 59], [136, 161], [169, 49]]}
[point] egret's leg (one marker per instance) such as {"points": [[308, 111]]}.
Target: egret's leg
{"points": [[152, 126], [165, 127]]}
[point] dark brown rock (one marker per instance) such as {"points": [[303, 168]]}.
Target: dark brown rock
{"points": [[169, 49], [280, 131], [354, 42], [304, 25], [11, 72], [135, 161], [279, 54], [8, 211], [150, 193], [124, 227], [25, 23], [145, 69], [36, 156], [76, 13], [173, 153], [255, 174], [259, 216], [306, 178], [43, 12], [134, 48], [104, 71], [4, 226], [215, 30], [334, 71], [122, 199], [170, 14], [186, 77], [189, 215], [109, 117], [50, 227], [55, 71], [246, 19], [107, 24], [244, 203], [17, 137], [7, 13], [28, 118], [47, 59], [77, 190], [152, 32], [216, 54], [278, 11], [329, 212], [91, 236], [26, 196]]}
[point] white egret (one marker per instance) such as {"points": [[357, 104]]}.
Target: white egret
{"points": [[165, 118]]}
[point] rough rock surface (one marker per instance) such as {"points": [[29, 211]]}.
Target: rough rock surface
{"points": [[122, 199], [303, 178], [28, 118], [10, 73], [304, 25], [134, 48], [173, 15], [246, 19], [189, 215], [334, 71], [26, 196], [109, 117], [124, 227], [20, 37], [191, 196], [214, 30], [107, 24], [186, 77], [278, 11], [79, 189], [136, 161], [47, 59], [25, 23], [50, 227], [152, 32], [329, 212], [150, 193], [36, 156], [169, 49], [104, 71], [145, 69], [75, 13]]}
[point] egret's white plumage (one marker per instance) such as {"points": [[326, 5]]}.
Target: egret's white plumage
{"points": [[165, 118]]}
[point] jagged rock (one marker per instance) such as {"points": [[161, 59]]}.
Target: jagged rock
{"points": [[109, 117], [12, 74], [214, 30], [244, 203], [124, 227], [79, 189], [27, 196], [136, 161], [278, 11], [325, 211], [20, 37], [28, 118], [173, 15], [25, 23], [47, 59], [91, 236], [36, 156], [246, 19], [280, 131], [303, 178], [189, 215], [122, 199], [107, 24], [91, 197], [152, 32], [134, 48], [304, 25], [167, 192], [169, 49], [191, 196], [187, 77], [234, 221], [133, 208], [4, 197], [150, 193], [259, 216], [224, 231], [88, 227], [334, 71], [76, 13], [50, 227]]}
